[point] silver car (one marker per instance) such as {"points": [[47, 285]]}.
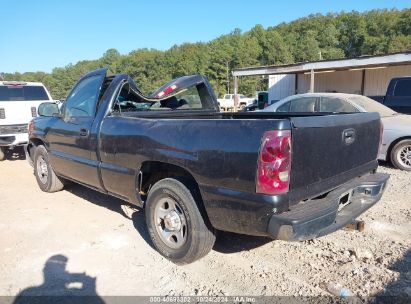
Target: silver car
{"points": [[396, 142]]}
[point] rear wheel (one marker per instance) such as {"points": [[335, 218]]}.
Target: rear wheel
{"points": [[2, 153], [46, 178], [401, 155], [178, 228]]}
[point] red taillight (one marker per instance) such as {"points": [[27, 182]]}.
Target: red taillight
{"points": [[274, 163], [167, 91], [33, 112], [31, 127]]}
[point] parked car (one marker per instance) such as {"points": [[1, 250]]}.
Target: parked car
{"points": [[195, 170], [18, 105], [227, 102], [252, 107], [396, 141]]}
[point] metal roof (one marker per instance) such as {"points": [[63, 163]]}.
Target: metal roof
{"points": [[324, 65]]}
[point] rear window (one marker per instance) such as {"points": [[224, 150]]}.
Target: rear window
{"points": [[303, 104], [334, 104], [284, 108], [16, 93], [195, 97], [371, 105]]}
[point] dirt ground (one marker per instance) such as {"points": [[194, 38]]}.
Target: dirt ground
{"points": [[81, 240]]}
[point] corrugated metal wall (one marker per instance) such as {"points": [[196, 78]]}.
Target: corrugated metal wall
{"points": [[338, 82], [280, 86], [376, 82]]}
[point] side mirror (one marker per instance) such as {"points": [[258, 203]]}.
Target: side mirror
{"points": [[48, 109]]}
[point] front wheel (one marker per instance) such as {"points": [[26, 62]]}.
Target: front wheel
{"points": [[178, 227], [401, 155], [2, 153], [46, 178]]}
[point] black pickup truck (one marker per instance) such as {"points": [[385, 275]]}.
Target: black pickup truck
{"points": [[195, 170], [398, 96]]}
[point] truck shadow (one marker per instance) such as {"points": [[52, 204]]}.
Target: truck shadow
{"points": [[61, 286], [133, 213], [15, 154], [385, 164], [398, 290], [226, 242]]}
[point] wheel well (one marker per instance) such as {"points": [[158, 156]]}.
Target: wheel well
{"points": [[34, 142], [152, 171], [393, 144]]}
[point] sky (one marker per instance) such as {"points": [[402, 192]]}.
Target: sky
{"points": [[40, 35]]}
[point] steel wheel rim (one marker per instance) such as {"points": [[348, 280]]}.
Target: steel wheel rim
{"points": [[404, 156], [170, 222], [42, 170]]}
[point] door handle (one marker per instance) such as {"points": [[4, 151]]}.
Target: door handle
{"points": [[83, 132], [348, 136]]}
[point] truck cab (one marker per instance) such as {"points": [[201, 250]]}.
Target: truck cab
{"points": [[19, 102], [398, 95]]}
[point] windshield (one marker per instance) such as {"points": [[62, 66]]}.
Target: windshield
{"points": [[22, 93], [371, 105]]}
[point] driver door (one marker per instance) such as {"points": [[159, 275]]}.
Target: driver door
{"points": [[70, 141]]}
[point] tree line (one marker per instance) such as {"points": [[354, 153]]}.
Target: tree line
{"points": [[331, 36]]}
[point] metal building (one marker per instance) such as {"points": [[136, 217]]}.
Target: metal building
{"points": [[366, 75]]}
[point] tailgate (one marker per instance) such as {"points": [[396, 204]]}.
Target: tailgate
{"points": [[330, 150], [18, 112]]}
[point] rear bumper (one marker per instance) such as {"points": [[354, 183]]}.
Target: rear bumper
{"points": [[315, 218], [12, 140]]}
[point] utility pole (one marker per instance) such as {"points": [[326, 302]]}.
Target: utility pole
{"points": [[228, 78]]}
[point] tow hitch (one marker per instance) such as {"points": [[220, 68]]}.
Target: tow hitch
{"points": [[356, 225]]}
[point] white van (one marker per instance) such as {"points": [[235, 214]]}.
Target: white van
{"points": [[18, 105]]}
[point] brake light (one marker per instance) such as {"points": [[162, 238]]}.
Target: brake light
{"points": [[167, 90], [274, 163], [33, 112], [31, 127]]}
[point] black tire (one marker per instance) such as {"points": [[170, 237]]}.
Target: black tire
{"points": [[46, 178], [2, 153], [400, 158], [199, 237]]}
